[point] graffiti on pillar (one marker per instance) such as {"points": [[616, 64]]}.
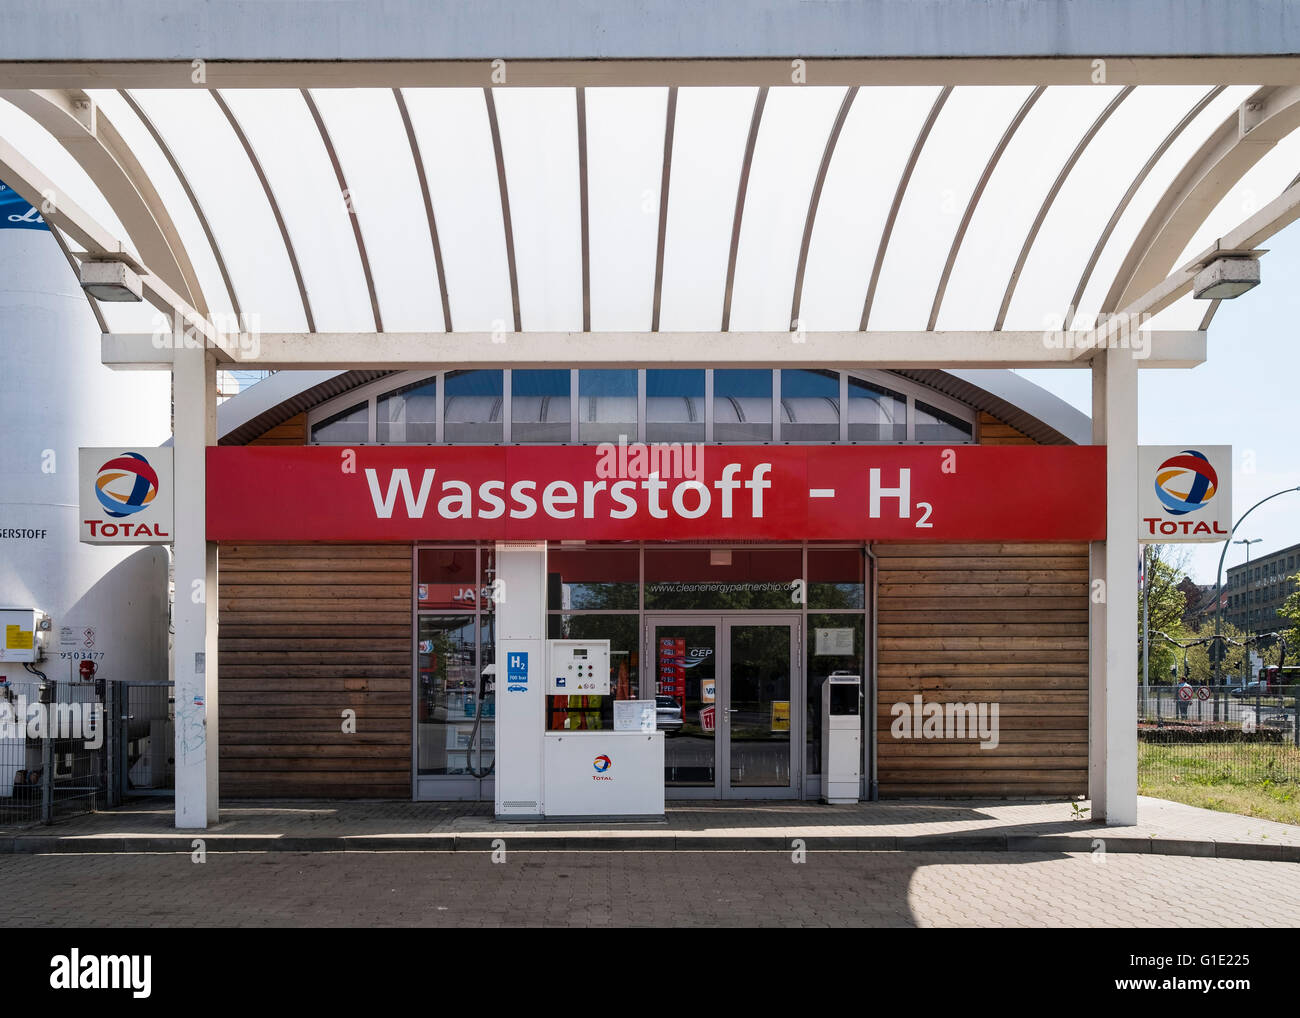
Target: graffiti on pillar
{"points": [[192, 731]]}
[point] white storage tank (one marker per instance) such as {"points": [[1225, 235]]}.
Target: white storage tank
{"points": [[106, 603]]}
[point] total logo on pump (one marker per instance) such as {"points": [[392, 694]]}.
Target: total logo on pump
{"points": [[602, 764]]}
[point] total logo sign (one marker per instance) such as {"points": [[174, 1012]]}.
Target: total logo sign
{"points": [[125, 495], [602, 764], [1184, 493]]}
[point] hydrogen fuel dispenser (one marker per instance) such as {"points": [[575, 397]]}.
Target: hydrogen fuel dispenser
{"points": [[841, 738]]}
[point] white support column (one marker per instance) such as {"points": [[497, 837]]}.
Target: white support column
{"points": [[1097, 621], [1113, 670], [194, 646]]}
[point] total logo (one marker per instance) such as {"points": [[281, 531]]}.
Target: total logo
{"points": [[602, 764], [1185, 483], [124, 486]]}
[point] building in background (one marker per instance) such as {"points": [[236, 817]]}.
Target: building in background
{"points": [[1254, 593]]}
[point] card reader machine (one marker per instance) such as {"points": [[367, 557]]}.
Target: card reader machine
{"points": [[841, 738]]}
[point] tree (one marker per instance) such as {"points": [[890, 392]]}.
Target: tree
{"points": [[1166, 604], [1290, 611]]}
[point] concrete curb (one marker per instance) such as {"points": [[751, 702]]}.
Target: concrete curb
{"points": [[42, 844]]}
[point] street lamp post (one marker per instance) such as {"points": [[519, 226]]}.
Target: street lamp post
{"points": [[1248, 542], [1245, 657], [1218, 593]]}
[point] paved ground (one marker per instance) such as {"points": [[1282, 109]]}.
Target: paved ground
{"points": [[645, 888], [1163, 827]]}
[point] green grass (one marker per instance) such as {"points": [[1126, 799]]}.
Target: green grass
{"points": [[1253, 779]]}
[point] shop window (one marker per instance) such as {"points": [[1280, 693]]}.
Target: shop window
{"points": [[349, 427], [810, 406], [409, 414], [742, 405], [674, 405], [596, 713], [446, 700], [473, 402], [607, 405], [445, 579], [723, 579], [540, 408], [835, 578], [836, 643], [876, 414], [934, 425], [592, 579]]}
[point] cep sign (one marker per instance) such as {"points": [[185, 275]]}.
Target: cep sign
{"points": [[1184, 493], [125, 495]]}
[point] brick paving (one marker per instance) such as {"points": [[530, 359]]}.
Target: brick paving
{"points": [[680, 888], [1007, 825]]}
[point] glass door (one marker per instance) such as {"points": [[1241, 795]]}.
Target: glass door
{"points": [[763, 706], [683, 654], [728, 700]]}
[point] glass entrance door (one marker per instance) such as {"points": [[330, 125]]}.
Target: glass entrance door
{"points": [[728, 700], [760, 703]]}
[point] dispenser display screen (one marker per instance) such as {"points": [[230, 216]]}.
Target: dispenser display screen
{"points": [[844, 698]]}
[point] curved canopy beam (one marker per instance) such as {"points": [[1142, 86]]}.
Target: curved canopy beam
{"points": [[1050, 199], [74, 120], [971, 205], [899, 192], [328, 142], [1237, 144], [275, 205], [1142, 174], [189, 193]]}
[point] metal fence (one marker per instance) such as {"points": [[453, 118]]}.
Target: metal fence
{"points": [[1220, 735], [52, 736], [73, 747]]}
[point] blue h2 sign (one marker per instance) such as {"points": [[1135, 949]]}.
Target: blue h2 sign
{"points": [[517, 672]]}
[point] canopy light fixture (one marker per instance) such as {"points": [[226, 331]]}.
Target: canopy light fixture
{"points": [[111, 280], [1227, 276]]}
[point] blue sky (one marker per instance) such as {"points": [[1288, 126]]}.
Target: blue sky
{"points": [[1246, 394]]}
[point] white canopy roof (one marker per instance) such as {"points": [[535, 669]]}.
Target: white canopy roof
{"points": [[815, 208]]}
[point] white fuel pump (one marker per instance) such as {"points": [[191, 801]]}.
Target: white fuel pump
{"points": [[605, 771]]}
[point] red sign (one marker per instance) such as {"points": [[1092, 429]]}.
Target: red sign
{"points": [[707, 716], [867, 493], [672, 669]]}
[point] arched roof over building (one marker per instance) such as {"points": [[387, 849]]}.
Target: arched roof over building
{"points": [[1011, 398], [307, 184]]}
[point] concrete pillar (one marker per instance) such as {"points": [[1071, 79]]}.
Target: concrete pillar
{"points": [[1114, 658], [194, 617], [1097, 621]]}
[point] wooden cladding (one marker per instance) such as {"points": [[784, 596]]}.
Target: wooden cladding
{"points": [[307, 632], [290, 432], [984, 624], [994, 432]]}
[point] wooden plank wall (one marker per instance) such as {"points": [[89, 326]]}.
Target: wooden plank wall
{"points": [[290, 432], [985, 623], [306, 632], [994, 432]]}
